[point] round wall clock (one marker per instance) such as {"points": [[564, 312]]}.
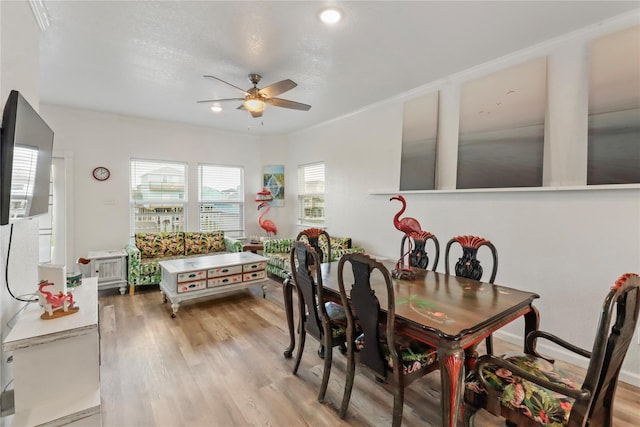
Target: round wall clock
{"points": [[101, 173]]}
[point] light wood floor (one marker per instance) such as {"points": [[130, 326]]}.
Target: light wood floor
{"points": [[220, 363]]}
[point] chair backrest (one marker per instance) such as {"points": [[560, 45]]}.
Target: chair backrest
{"points": [[618, 320], [363, 301], [305, 264], [468, 265], [313, 236], [418, 256]]}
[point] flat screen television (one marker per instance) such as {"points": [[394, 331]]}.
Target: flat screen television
{"points": [[26, 144]]}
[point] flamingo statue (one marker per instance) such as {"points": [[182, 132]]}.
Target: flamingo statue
{"points": [[267, 225], [55, 305], [409, 226]]}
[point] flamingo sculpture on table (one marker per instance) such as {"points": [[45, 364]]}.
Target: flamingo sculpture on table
{"points": [[266, 224], [409, 226]]}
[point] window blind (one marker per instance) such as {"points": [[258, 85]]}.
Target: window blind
{"points": [[311, 194], [221, 197], [155, 181], [158, 195]]}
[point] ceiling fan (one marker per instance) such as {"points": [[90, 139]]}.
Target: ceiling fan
{"points": [[255, 99]]}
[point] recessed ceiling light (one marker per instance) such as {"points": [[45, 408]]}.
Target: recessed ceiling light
{"points": [[330, 15], [216, 108]]}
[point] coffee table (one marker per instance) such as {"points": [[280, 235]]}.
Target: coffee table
{"points": [[199, 277]]}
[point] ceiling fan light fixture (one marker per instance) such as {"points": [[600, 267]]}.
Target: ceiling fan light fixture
{"points": [[330, 15], [216, 108], [254, 105]]}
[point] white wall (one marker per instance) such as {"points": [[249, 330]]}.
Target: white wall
{"points": [[569, 246], [101, 209], [19, 53]]}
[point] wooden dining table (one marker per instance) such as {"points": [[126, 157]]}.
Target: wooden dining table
{"points": [[452, 314]]}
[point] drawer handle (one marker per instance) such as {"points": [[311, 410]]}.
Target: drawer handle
{"points": [[192, 275], [225, 270], [225, 280]]}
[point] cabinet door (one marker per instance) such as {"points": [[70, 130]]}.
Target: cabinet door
{"points": [[109, 269]]}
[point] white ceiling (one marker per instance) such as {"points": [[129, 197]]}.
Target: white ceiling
{"points": [[148, 59]]}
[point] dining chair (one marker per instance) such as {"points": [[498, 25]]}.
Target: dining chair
{"points": [[469, 266], [314, 316], [530, 390], [312, 236], [395, 360], [418, 257]]}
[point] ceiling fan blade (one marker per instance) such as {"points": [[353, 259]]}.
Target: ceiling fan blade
{"points": [[253, 113], [278, 88], [220, 100], [285, 103], [227, 83]]}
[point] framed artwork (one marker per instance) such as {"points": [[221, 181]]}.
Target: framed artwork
{"points": [[614, 109], [501, 137], [273, 179], [419, 140]]}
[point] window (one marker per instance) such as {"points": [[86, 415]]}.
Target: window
{"points": [[311, 194], [158, 196], [221, 197]]}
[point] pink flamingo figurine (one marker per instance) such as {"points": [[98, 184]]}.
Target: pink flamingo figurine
{"points": [[409, 226], [267, 225], [55, 305]]}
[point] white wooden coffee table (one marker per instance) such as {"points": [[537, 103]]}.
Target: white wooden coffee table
{"points": [[199, 277]]}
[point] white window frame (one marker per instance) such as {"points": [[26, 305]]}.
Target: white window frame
{"points": [[220, 178], [134, 203], [308, 195]]}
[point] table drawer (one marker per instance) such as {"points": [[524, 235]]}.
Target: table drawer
{"points": [[225, 271], [256, 275], [191, 276], [254, 267], [225, 280], [192, 286]]}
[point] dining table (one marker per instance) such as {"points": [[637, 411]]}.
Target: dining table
{"points": [[452, 314]]}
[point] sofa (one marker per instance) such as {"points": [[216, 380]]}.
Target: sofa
{"points": [[278, 252], [148, 249]]}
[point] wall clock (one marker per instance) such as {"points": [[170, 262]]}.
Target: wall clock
{"points": [[101, 173]]}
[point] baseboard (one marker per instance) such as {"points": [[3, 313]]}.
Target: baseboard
{"points": [[629, 377]]}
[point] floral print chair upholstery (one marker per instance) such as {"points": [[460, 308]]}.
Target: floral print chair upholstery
{"points": [[148, 249], [529, 390]]}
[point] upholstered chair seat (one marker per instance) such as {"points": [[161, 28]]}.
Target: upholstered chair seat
{"points": [[538, 403]]}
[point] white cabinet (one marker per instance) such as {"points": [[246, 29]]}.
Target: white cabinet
{"points": [[56, 364], [110, 267]]}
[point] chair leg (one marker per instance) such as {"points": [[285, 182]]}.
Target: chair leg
{"points": [[398, 406], [469, 414], [303, 336], [328, 355], [489, 344], [321, 351], [348, 385]]}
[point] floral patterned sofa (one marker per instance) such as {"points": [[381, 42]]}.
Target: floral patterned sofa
{"points": [[147, 249], [278, 251]]}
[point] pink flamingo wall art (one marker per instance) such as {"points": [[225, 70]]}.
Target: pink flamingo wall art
{"points": [[411, 227], [266, 224]]}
